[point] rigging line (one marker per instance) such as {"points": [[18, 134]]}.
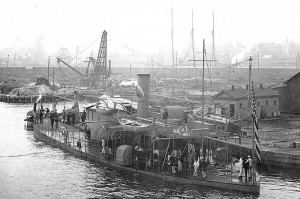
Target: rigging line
{"points": [[208, 71], [60, 68], [19, 155], [187, 54], [89, 45]]}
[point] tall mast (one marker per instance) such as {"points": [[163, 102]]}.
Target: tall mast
{"points": [[48, 68], [172, 39], [249, 85], [203, 86], [193, 46], [213, 43]]}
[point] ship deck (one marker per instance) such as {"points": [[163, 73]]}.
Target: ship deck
{"points": [[225, 177]]}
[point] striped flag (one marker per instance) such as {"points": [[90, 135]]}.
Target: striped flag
{"points": [[255, 126]]}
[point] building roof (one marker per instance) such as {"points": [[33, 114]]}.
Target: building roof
{"points": [[295, 76], [235, 94]]}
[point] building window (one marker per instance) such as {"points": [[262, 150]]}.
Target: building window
{"points": [[267, 103], [258, 104], [241, 105], [274, 102]]}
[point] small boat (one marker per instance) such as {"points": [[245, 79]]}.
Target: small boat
{"points": [[132, 125]]}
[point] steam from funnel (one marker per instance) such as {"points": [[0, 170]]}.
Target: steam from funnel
{"points": [[139, 91], [39, 98], [143, 91]]}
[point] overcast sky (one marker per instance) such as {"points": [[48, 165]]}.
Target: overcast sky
{"points": [[145, 26]]}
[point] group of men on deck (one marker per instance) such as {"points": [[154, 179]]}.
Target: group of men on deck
{"points": [[246, 165]]}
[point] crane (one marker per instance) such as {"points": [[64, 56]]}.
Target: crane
{"points": [[98, 73]]}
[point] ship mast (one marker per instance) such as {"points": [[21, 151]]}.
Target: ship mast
{"points": [[203, 86], [213, 43], [193, 46], [172, 38]]}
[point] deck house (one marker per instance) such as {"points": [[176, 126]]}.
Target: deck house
{"points": [[234, 103]]}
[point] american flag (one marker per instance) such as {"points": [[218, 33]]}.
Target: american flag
{"points": [[255, 126]]}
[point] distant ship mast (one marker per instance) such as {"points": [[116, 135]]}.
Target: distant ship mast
{"points": [[172, 39], [213, 43], [193, 46]]}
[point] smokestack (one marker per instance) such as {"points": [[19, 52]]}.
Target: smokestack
{"points": [[247, 87], [261, 86], [143, 100]]}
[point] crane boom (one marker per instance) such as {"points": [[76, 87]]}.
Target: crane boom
{"points": [[60, 60]]}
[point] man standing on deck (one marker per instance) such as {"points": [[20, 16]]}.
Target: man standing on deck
{"points": [[52, 119], [41, 114], [241, 168], [196, 166], [156, 158], [165, 115], [64, 115], [88, 134], [73, 119], [246, 167], [83, 117], [249, 161]]}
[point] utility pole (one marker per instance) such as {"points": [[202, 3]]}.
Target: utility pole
{"points": [[249, 85], [296, 61], [48, 68], [15, 63], [193, 46], [172, 39], [258, 61], [53, 75], [7, 65], [176, 61], [130, 71], [298, 58], [152, 62]]}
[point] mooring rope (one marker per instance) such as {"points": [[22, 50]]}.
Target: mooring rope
{"points": [[19, 155]]}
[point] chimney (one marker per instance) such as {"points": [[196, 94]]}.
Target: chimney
{"points": [[232, 88], [247, 87], [143, 101], [261, 86]]}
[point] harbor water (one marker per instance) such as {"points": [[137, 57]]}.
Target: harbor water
{"points": [[32, 169]]}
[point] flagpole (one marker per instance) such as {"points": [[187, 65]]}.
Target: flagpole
{"points": [[253, 136], [249, 87]]}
